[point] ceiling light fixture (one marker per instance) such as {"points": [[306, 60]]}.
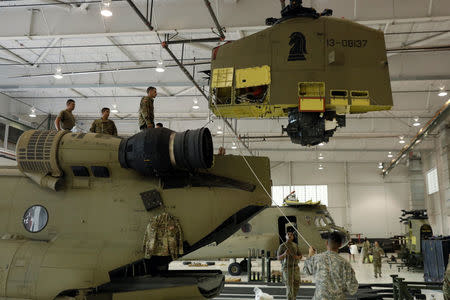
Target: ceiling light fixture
{"points": [[442, 92], [380, 165], [58, 73], [219, 130], [416, 122], [321, 144], [320, 156], [114, 110], [160, 67], [320, 167], [33, 113], [234, 146], [401, 141], [195, 106], [105, 8], [390, 154]]}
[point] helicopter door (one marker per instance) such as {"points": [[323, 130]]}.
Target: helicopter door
{"points": [[283, 224]]}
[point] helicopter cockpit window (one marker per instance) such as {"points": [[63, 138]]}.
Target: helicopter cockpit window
{"points": [[319, 221], [35, 218]]}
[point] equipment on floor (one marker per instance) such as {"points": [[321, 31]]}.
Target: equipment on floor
{"points": [[417, 229]]}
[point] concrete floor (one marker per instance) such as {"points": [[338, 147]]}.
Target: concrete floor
{"points": [[364, 272]]}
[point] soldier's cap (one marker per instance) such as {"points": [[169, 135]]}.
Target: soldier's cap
{"points": [[290, 229]]}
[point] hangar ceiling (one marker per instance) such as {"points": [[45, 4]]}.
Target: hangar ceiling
{"points": [[111, 61]]}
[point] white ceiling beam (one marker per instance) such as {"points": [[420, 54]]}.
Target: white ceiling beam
{"points": [[72, 33], [430, 7], [122, 49], [45, 52], [18, 57], [96, 85], [422, 42]]}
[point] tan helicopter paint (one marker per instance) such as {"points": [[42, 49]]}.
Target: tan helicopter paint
{"points": [[311, 220], [97, 224], [341, 56]]}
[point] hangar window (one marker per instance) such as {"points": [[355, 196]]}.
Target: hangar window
{"points": [[303, 193], [35, 218], [432, 181]]}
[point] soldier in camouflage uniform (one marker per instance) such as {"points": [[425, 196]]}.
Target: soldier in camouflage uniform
{"points": [[65, 120], [366, 250], [104, 125], [446, 285], [290, 256], [333, 275], [377, 252], [146, 110]]}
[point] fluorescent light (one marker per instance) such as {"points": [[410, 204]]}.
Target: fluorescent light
{"points": [[33, 113], [380, 165], [320, 156], [105, 10], [234, 146], [219, 132], [195, 106], [114, 110], [390, 154], [401, 141], [160, 67], [58, 73], [320, 167], [321, 144], [416, 122], [442, 93]]}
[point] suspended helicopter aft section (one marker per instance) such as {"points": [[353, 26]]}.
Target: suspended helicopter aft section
{"points": [[309, 67]]}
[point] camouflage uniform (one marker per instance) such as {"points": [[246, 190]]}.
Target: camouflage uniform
{"points": [[104, 126], [290, 269], [377, 252], [163, 237], [333, 276], [446, 285], [146, 113], [67, 119], [366, 248]]}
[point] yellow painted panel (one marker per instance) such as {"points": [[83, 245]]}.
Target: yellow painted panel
{"points": [[360, 102], [338, 102], [252, 77], [311, 104], [252, 111], [311, 89], [413, 240], [222, 77]]}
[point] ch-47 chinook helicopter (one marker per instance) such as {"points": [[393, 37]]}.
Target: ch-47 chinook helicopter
{"points": [[309, 67], [267, 230], [74, 212]]}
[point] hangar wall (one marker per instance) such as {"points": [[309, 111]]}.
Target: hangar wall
{"points": [[438, 204], [374, 203]]}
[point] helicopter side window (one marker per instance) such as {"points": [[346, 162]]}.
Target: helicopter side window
{"points": [[99, 171], [251, 95], [80, 171], [35, 218], [222, 95]]}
